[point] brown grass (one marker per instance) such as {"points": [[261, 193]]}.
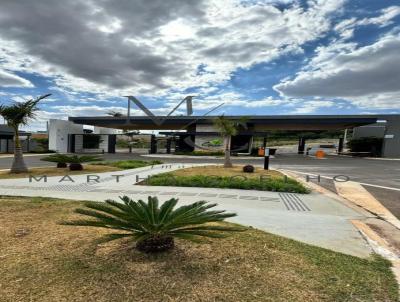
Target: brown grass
{"points": [[43, 261], [221, 171], [53, 171]]}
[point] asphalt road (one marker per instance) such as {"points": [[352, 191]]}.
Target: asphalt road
{"points": [[380, 177], [371, 171]]}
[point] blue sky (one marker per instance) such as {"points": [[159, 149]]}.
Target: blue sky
{"points": [[256, 57]]}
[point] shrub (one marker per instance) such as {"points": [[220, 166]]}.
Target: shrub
{"points": [[248, 169], [366, 144], [152, 226], [276, 184], [75, 161]]}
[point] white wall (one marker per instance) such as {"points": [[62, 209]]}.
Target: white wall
{"points": [[58, 134], [102, 130]]}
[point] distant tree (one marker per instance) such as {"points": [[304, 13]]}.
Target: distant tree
{"points": [[16, 115], [115, 113]]}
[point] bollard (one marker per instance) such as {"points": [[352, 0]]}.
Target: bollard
{"points": [[266, 159]]}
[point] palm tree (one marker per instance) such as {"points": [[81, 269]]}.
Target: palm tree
{"points": [[228, 128], [115, 113], [16, 115], [154, 227]]}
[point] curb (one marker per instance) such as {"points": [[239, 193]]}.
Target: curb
{"points": [[357, 194], [380, 246]]}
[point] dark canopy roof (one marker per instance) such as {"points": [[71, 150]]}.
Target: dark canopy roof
{"points": [[259, 122]]}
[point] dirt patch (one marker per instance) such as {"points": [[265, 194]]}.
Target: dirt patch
{"points": [[221, 171]]}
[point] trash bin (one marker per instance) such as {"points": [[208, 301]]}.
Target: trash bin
{"points": [[261, 151]]}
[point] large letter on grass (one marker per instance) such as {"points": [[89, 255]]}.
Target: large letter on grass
{"points": [[38, 179], [66, 178]]}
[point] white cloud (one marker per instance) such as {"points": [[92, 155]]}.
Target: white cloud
{"points": [[149, 48], [346, 27], [386, 17], [307, 107], [369, 76], [8, 79]]}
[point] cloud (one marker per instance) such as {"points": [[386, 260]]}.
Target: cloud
{"points": [[386, 17], [150, 47], [8, 79], [346, 27], [306, 107], [344, 71]]}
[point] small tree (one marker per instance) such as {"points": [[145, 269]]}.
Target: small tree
{"points": [[228, 128], [154, 227], [16, 115]]}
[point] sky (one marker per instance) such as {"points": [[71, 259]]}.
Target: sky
{"points": [[257, 57]]}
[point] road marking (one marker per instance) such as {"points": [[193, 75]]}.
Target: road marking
{"points": [[361, 183], [378, 186]]}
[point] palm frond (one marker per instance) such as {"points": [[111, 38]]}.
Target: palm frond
{"points": [[19, 113], [56, 158], [144, 220]]}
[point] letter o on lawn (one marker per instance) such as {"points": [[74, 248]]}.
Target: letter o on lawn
{"points": [[238, 177], [341, 178]]}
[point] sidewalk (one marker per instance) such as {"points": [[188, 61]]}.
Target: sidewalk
{"points": [[314, 218]]}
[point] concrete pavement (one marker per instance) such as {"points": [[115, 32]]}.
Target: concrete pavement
{"points": [[314, 218]]}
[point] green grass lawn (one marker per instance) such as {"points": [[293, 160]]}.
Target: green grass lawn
{"points": [[129, 164], [232, 178], [44, 261]]}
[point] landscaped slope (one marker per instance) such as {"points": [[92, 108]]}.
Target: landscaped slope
{"points": [[232, 178], [44, 261]]}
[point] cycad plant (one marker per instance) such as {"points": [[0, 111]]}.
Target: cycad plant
{"points": [[154, 227], [60, 159], [75, 161], [16, 115]]}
